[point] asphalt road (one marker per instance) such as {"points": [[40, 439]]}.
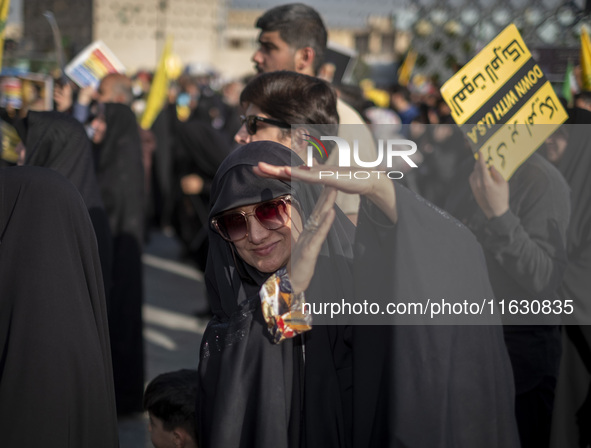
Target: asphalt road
{"points": [[174, 292]]}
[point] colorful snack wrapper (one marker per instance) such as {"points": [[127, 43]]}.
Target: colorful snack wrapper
{"points": [[282, 309]]}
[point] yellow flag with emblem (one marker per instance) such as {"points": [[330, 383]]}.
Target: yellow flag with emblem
{"points": [[4, 6], [158, 90], [585, 60]]}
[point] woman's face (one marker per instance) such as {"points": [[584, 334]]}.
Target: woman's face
{"points": [[268, 250], [99, 128], [265, 131]]}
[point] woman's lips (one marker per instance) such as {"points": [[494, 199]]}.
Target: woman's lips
{"points": [[266, 250]]}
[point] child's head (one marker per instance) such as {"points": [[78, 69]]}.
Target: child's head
{"points": [[170, 400]]}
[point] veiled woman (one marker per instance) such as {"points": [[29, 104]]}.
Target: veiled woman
{"points": [[57, 141], [56, 383], [572, 408], [120, 175], [267, 379]]}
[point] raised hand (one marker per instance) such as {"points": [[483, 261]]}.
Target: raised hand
{"points": [[490, 189], [377, 187], [305, 250]]}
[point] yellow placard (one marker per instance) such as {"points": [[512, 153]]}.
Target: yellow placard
{"points": [[499, 91], [512, 143], [485, 74]]}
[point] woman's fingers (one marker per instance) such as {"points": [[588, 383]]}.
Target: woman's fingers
{"points": [[344, 179], [305, 252], [325, 201], [273, 171]]}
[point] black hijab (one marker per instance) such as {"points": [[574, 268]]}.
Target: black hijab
{"points": [[252, 390], [56, 385], [57, 141], [120, 173], [202, 148]]}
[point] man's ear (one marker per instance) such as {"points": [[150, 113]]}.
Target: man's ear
{"points": [[183, 439], [304, 61], [179, 436]]}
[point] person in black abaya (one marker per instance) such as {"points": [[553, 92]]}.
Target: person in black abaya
{"points": [[572, 410], [56, 384], [57, 141], [359, 385], [199, 150], [522, 225], [120, 176]]}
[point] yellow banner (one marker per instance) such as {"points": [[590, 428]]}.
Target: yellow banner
{"points": [[4, 7], [585, 60], [158, 90], [405, 70]]}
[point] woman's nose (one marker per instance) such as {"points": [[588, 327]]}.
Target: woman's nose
{"points": [[242, 137], [256, 232]]}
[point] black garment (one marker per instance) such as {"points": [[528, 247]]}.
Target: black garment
{"points": [[570, 421], [526, 259], [426, 385], [575, 165], [361, 386], [199, 149], [57, 141], [161, 191], [437, 172], [252, 391], [120, 175], [56, 384]]}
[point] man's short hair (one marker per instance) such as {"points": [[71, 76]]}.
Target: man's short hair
{"points": [[398, 89], [583, 96], [172, 398], [299, 26]]}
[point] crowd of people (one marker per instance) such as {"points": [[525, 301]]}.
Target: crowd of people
{"points": [[230, 174]]}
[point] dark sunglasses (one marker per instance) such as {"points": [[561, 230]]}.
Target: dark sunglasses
{"points": [[251, 123], [272, 215]]}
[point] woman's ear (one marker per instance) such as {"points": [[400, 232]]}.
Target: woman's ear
{"points": [[299, 142]]}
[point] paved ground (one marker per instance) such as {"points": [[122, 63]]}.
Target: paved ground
{"points": [[174, 292]]}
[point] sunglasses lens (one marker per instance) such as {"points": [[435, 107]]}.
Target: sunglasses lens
{"points": [[272, 215], [232, 226], [251, 124]]}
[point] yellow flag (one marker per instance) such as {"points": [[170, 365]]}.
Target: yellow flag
{"points": [[158, 90], [585, 60], [4, 6], [405, 70]]}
